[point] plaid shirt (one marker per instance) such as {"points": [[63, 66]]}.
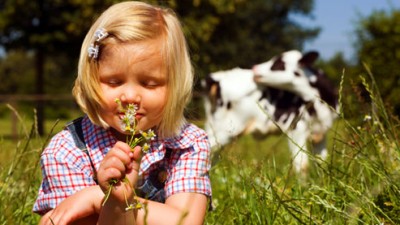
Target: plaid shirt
{"points": [[66, 169]]}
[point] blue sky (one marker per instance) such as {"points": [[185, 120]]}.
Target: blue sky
{"points": [[337, 19]]}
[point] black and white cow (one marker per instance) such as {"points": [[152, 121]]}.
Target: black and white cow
{"points": [[269, 99]]}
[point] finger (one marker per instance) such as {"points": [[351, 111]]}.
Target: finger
{"points": [[116, 158], [115, 162], [121, 151], [133, 174], [137, 157], [137, 153], [45, 220], [123, 146], [112, 174], [57, 220], [108, 172], [54, 218]]}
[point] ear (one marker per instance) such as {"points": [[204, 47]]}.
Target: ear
{"points": [[309, 58]]}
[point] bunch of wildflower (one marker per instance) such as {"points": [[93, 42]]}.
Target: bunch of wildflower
{"points": [[129, 123], [135, 138]]}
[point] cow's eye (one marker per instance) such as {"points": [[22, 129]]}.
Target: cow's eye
{"points": [[229, 105]]}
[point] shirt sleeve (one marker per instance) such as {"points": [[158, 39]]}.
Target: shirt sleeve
{"points": [[190, 168], [65, 170]]}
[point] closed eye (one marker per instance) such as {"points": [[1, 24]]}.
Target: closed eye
{"points": [[148, 83], [112, 82], [151, 83]]}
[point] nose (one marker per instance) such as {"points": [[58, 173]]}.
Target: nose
{"points": [[256, 75], [257, 78], [131, 94], [255, 69]]}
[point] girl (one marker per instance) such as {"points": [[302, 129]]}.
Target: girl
{"points": [[136, 53]]}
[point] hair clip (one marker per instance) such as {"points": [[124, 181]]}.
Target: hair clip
{"points": [[93, 51], [100, 34]]}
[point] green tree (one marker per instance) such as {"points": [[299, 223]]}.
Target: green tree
{"points": [[47, 28], [222, 34], [16, 79], [378, 44], [335, 67]]}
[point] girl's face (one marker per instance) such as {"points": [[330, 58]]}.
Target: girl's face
{"points": [[133, 73]]}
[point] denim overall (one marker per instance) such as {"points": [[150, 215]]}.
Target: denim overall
{"points": [[152, 188]]}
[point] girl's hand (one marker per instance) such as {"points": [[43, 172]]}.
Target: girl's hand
{"points": [[121, 165], [83, 206]]}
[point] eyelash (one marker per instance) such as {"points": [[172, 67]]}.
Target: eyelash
{"points": [[149, 84], [144, 83], [114, 82]]}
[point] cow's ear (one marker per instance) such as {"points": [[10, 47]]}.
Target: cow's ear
{"points": [[309, 58]]}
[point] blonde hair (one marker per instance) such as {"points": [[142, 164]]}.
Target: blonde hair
{"points": [[134, 22]]}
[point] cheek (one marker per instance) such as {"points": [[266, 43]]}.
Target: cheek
{"points": [[158, 97], [109, 106], [163, 100], [109, 97], [158, 105]]}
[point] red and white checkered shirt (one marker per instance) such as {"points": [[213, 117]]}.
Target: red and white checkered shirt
{"points": [[66, 169]]}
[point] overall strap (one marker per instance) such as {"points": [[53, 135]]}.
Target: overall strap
{"points": [[75, 127], [168, 153], [152, 188]]}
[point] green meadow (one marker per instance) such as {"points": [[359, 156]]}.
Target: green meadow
{"points": [[253, 181]]}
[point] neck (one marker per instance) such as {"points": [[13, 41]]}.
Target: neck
{"points": [[119, 136]]}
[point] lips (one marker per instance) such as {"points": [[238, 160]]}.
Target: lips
{"points": [[121, 115], [138, 116]]}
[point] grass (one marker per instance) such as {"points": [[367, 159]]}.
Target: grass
{"points": [[357, 184], [19, 166], [252, 180]]}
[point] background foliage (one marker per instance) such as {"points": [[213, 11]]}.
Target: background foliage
{"points": [[213, 27], [42, 41], [252, 180], [359, 184], [50, 34], [379, 47]]}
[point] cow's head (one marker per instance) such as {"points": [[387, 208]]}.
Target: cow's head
{"points": [[295, 72], [293, 63], [229, 104]]}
